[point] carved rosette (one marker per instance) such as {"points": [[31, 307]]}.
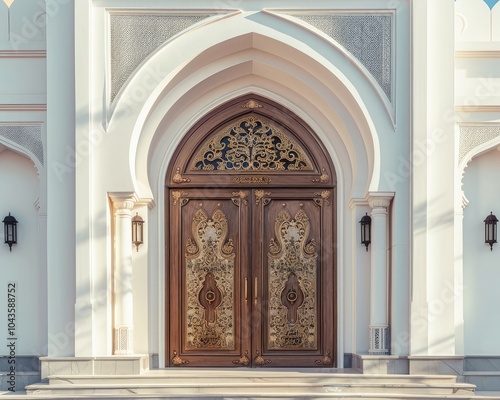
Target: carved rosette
{"points": [[210, 262], [292, 281]]}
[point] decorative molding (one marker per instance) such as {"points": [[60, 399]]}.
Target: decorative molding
{"points": [[27, 135], [477, 54], [135, 35], [477, 109], [253, 180], [325, 195], [177, 178], [23, 53], [474, 136], [23, 107], [326, 360], [368, 37], [323, 178], [252, 104]]}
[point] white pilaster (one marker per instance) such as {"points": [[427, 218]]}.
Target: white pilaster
{"points": [[61, 239], [124, 303], [379, 325], [433, 323], [86, 336]]}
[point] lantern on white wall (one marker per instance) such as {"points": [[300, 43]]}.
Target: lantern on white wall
{"points": [[366, 223], [490, 230], [137, 231], [10, 230]]}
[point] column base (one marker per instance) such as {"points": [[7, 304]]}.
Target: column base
{"points": [[124, 340], [380, 364], [379, 339], [113, 365]]}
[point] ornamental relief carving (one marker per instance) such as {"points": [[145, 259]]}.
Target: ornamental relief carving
{"points": [[210, 263], [292, 281], [251, 144]]}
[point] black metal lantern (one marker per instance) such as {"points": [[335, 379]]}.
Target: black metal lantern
{"points": [[137, 231], [490, 230], [366, 223], [10, 230]]}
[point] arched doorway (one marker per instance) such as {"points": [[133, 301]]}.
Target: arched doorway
{"points": [[251, 273]]}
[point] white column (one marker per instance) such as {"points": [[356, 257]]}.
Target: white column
{"points": [[379, 325], [124, 316]]}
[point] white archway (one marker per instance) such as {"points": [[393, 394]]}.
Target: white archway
{"points": [[166, 97]]}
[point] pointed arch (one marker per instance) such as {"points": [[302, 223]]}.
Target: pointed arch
{"points": [[248, 139]]}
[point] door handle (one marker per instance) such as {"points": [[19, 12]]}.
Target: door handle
{"points": [[246, 290], [256, 290]]}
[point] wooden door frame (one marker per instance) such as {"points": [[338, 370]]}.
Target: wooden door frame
{"points": [[180, 177]]}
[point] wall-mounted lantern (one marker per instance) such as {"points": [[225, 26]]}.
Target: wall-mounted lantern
{"points": [[490, 230], [137, 231], [366, 223], [10, 230]]}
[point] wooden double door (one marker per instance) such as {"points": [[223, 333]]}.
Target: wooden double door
{"points": [[251, 277]]}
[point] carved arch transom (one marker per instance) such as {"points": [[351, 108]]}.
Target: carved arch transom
{"points": [[251, 140]]}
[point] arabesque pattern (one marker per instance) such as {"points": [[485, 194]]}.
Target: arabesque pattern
{"points": [[210, 263], [292, 277], [251, 144]]}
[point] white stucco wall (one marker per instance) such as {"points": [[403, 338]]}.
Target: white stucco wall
{"points": [[481, 266], [20, 190], [250, 51]]}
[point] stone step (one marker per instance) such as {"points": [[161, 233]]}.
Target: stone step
{"points": [[243, 377], [250, 389], [251, 383], [306, 395]]}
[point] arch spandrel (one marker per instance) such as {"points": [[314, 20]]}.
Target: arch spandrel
{"points": [[251, 140]]}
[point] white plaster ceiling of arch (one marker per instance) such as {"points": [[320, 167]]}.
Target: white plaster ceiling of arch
{"points": [[214, 69]]}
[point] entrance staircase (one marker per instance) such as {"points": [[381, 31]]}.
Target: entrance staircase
{"points": [[251, 384]]}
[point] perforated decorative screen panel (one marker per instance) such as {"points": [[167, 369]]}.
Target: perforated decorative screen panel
{"points": [[27, 136], [473, 136], [367, 37], [136, 36]]}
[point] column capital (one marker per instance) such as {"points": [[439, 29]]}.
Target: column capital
{"points": [[376, 200], [123, 200]]}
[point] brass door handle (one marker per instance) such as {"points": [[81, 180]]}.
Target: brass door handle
{"points": [[256, 290], [246, 290]]}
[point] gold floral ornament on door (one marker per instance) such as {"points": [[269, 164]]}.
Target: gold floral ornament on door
{"points": [[292, 281], [209, 283]]}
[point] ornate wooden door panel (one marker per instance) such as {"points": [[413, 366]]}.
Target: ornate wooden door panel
{"points": [[208, 264], [251, 278], [251, 266], [293, 270]]}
